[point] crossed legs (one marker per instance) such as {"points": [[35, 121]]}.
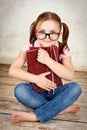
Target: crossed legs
{"points": [[31, 116]]}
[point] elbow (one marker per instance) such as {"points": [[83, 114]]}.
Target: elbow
{"points": [[10, 72]]}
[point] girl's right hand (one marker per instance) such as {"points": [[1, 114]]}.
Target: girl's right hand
{"points": [[44, 82]]}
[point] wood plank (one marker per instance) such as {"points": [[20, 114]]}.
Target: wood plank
{"points": [[13, 82], [82, 98], [71, 117], [10, 105], [80, 77], [9, 81], [6, 124], [82, 84], [5, 68], [6, 80], [7, 90]]}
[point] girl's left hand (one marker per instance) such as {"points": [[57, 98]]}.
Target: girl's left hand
{"points": [[43, 56]]}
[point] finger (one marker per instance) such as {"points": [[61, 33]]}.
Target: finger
{"points": [[46, 88], [46, 73], [40, 50], [51, 85], [49, 88], [38, 54]]}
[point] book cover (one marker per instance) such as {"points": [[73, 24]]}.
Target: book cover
{"points": [[37, 68]]}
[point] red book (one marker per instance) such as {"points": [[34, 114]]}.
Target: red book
{"points": [[37, 68]]}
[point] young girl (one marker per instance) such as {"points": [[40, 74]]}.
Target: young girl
{"points": [[51, 99]]}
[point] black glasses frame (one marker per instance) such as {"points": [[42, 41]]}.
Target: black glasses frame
{"points": [[48, 34]]}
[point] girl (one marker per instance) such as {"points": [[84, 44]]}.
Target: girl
{"points": [[51, 99]]}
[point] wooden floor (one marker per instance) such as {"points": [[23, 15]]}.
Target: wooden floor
{"points": [[8, 104]]}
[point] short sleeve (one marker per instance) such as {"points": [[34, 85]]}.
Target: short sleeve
{"points": [[25, 48], [65, 54]]}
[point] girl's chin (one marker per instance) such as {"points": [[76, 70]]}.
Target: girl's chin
{"points": [[46, 44]]}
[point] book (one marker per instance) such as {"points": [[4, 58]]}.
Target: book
{"points": [[37, 68]]}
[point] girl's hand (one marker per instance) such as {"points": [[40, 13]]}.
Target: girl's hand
{"points": [[43, 56], [44, 82]]}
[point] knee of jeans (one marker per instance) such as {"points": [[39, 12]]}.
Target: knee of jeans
{"points": [[19, 89], [75, 88]]}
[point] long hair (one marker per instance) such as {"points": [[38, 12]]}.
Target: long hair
{"points": [[50, 16]]}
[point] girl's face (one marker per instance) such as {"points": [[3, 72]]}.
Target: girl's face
{"points": [[47, 33]]}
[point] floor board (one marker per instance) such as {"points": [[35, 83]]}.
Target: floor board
{"points": [[9, 104]]}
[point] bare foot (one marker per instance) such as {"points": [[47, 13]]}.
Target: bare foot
{"points": [[72, 109], [23, 116]]}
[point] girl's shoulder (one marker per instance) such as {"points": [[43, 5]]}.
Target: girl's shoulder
{"points": [[66, 53], [27, 46]]}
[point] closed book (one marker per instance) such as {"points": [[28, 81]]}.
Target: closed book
{"points": [[37, 68]]}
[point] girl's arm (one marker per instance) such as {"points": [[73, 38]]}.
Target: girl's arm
{"points": [[17, 72], [64, 70]]}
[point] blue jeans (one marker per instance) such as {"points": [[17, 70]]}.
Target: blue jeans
{"points": [[47, 105]]}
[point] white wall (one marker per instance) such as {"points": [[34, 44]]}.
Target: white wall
{"points": [[17, 15]]}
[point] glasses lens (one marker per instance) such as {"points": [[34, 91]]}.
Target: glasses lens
{"points": [[41, 35], [54, 36]]}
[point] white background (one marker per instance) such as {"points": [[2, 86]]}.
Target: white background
{"points": [[17, 15]]}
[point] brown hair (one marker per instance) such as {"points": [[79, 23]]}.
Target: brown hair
{"points": [[50, 16]]}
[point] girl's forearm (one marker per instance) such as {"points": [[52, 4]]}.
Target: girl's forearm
{"points": [[60, 70], [22, 75]]}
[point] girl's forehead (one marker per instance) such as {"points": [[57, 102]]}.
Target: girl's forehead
{"points": [[48, 24]]}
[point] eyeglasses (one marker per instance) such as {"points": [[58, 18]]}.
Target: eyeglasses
{"points": [[42, 35]]}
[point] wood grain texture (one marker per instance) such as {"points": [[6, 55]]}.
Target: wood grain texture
{"points": [[9, 104]]}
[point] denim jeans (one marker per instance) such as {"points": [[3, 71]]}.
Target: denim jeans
{"points": [[47, 105]]}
